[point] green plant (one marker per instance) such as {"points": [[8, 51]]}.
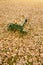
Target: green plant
{"points": [[10, 62], [15, 58], [29, 63], [14, 27]]}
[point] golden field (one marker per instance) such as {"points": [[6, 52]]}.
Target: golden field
{"points": [[14, 48]]}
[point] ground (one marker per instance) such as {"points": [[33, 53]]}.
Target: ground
{"points": [[14, 48]]}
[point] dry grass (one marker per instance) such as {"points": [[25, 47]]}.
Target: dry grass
{"points": [[14, 48]]}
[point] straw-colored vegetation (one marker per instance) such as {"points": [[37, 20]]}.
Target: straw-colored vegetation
{"points": [[15, 48]]}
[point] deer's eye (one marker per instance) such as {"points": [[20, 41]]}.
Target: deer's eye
{"points": [[25, 20]]}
